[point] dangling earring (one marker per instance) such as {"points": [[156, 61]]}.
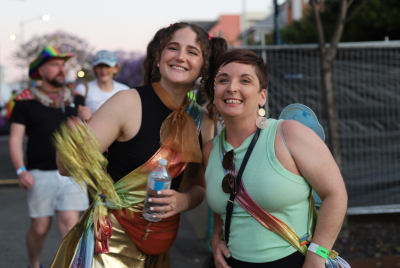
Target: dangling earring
{"points": [[158, 64], [262, 122]]}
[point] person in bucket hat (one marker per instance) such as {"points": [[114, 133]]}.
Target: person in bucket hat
{"points": [[38, 112], [98, 91]]}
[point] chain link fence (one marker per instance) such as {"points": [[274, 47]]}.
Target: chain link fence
{"points": [[367, 91]]}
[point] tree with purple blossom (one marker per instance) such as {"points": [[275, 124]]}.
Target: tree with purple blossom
{"points": [[130, 63], [130, 68], [65, 42]]}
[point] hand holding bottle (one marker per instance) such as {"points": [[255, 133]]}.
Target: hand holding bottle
{"points": [[161, 202], [173, 203]]}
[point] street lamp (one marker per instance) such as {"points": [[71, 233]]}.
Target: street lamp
{"points": [[244, 38], [13, 37], [44, 17], [1, 81], [277, 33], [81, 74]]}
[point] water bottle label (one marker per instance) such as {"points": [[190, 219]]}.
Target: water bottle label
{"points": [[158, 186]]}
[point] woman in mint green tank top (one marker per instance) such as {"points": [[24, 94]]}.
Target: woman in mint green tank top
{"points": [[287, 160]]}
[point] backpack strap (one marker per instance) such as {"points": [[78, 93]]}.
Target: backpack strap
{"points": [[283, 138], [86, 90]]}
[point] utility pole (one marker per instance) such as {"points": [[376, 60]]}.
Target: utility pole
{"points": [[277, 33], [244, 41], [1, 81]]}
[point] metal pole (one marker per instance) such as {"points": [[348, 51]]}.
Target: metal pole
{"points": [[21, 43], [22, 24], [1, 81], [266, 105], [277, 33], [244, 42], [21, 33]]}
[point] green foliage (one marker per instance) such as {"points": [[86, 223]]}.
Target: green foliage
{"points": [[268, 39], [300, 32], [379, 18]]}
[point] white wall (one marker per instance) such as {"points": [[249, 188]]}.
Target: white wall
{"points": [[297, 9]]}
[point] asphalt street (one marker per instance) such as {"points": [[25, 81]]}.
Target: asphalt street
{"points": [[189, 249]]}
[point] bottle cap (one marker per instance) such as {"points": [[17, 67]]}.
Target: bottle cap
{"points": [[163, 162]]}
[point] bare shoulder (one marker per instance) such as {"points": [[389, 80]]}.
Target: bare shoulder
{"points": [[296, 131], [124, 96], [119, 118], [207, 148], [122, 101], [207, 127], [206, 117], [303, 142], [206, 152]]}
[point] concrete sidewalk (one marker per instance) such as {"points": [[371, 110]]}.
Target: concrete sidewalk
{"points": [[6, 168], [189, 249]]}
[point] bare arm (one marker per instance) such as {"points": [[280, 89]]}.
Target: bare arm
{"points": [[207, 128], [119, 118], [218, 245], [15, 143], [315, 162], [196, 192]]}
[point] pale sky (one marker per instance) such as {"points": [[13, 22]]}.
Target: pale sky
{"points": [[118, 24]]}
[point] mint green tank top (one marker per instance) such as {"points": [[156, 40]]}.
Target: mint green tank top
{"points": [[278, 191]]}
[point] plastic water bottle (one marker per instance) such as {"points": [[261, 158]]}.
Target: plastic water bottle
{"points": [[159, 179]]}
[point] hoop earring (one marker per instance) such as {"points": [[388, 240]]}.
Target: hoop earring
{"points": [[262, 122]]}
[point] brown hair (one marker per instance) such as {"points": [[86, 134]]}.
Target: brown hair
{"points": [[242, 56], [211, 49]]}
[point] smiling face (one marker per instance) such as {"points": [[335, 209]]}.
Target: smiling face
{"points": [[105, 73], [237, 91], [181, 60]]}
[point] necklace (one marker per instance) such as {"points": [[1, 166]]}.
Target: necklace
{"points": [[62, 99]]}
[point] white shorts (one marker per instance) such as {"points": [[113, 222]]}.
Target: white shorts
{"points": [[53, 192]]}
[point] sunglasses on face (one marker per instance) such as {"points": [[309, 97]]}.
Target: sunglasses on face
{"points": [[229, 181]]}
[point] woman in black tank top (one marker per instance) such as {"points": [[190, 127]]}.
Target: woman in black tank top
{"points": [[128, 125], [123, 157]]}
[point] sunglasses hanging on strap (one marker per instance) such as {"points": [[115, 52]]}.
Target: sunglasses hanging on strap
{"points": [[230, 183], [237, 189]]}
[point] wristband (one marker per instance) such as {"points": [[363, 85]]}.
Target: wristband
{"points": [[320, 251], [20, 170]]}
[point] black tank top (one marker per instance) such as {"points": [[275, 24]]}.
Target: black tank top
{"points": [[124, 157]]}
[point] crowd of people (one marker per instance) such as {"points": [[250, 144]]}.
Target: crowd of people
{"points": [[257, 174]]}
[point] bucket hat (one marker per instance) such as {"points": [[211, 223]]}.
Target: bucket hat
{"points": [[47, 53]]}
